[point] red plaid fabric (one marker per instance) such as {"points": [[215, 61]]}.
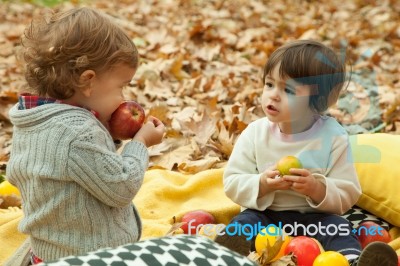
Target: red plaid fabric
{"points": [[28, 101]]}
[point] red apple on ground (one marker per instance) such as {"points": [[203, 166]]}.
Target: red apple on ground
{"points": [[194, 220], [304, 248], [369, 232], [126, 120]]}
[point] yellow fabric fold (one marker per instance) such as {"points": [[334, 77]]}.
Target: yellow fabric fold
{"points": [[167, 194], [10, 237]]}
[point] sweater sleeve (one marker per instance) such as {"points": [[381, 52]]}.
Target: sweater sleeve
{"points": [[112, 178], [241, 176], [342, 186]]}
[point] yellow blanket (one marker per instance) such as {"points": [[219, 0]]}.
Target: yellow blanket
{"points": [[166, 194], [163, 196], [10, 238]]}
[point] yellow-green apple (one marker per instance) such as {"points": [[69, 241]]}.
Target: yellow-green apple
{"points": [[126, 120], [194, 220], [286, 163], [369, 232]]}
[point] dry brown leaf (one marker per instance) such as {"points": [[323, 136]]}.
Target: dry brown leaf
{"points": [[270, 252], [6, 49], [171, 159], [9, 201], [236, 126], [176, 68], [253, 256], [200, 128], [224, 143], [203, 129], [264, 260], [392, 113], [8, 96], [157, 90], [192, 167], [207, 53], [161, 112], [148, 74], [207, 57], [185, 115], [288, 260], [175, 229], [5, 143], [167, 145]]}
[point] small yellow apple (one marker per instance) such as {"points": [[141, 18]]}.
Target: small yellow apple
{"points": [[286, 163], [330, 258], [7, 189]]}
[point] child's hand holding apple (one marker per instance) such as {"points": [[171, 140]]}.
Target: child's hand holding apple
{"points": [[301, 179], [272, 180], [151, 133], [269, 183], [127, 122]]}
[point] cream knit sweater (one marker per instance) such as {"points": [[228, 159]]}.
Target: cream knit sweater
{"points": [[323, 149], [77, 191]]}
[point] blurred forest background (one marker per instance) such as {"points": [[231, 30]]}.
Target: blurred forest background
{"points": [[202, 61]]}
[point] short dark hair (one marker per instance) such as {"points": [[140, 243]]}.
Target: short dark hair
{"points": [[60, 47], [311, 63]]}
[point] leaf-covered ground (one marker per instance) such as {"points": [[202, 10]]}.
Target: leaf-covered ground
{"points": [[201, 65]]}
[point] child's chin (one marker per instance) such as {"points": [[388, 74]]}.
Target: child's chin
{"points": [[273, 118]]}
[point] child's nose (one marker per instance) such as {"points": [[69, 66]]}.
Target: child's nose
{"points": [[274, 94]]}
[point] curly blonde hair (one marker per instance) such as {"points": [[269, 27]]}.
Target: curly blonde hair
{"points": [[57, 50]]}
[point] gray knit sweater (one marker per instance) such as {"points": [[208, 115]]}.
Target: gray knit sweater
{"points": [[77, 191]]}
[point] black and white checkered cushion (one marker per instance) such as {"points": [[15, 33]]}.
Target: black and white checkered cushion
{"points": [[357, 216], [174, 250]]}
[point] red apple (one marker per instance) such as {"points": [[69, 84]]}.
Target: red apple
{"points": [[126, 120], [369, 232], [194, 220], [304, 248], [398, 260]]}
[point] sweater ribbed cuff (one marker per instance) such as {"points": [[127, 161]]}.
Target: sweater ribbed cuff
{"points": [[139, 149]]}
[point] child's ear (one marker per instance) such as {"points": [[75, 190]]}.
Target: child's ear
{"points": [[86, 79]]}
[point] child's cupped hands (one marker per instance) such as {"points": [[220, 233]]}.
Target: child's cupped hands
{"points": [[151, 133], [302, 181], [270, 181]]}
